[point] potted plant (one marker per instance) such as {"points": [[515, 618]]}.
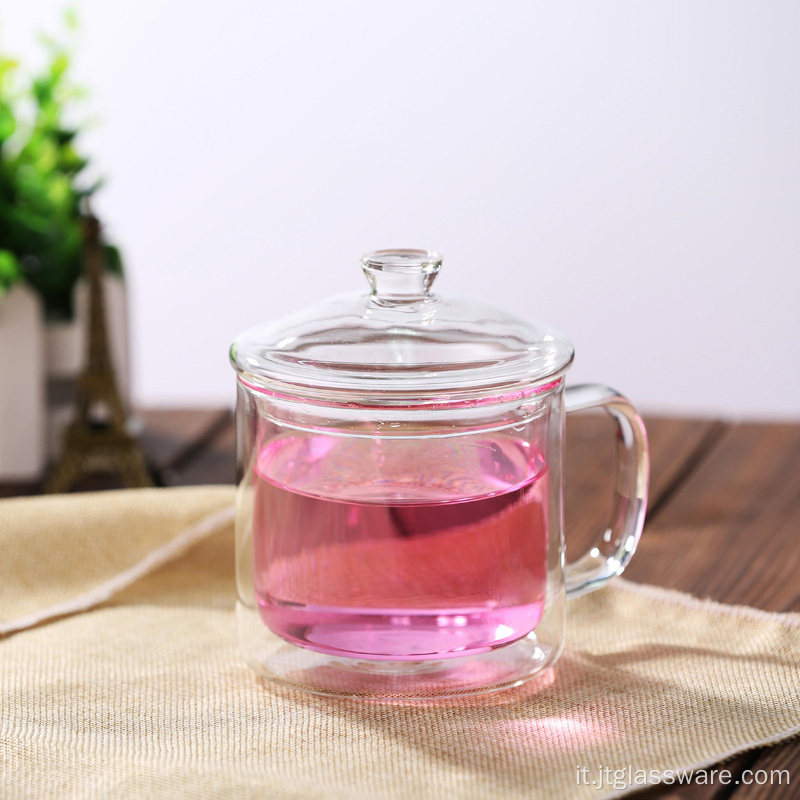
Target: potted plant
{"points": [[42, 193]]}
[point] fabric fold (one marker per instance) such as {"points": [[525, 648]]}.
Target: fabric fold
{"points": [[68, 553]]}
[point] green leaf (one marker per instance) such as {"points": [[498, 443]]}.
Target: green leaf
{"points": [[43, 90], [7, 67], [58, 66], [9, 270], [71, 20], [46, 156], [59, 189], [64, 136], [113, 259], [7, 123], [41, 192]]}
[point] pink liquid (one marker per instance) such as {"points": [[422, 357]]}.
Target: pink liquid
{"points": [[393, 549]]}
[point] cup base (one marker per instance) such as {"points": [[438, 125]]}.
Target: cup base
{"points": [[504, 667]]}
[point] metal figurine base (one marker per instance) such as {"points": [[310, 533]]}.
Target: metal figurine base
{"points": [[401, 681]]}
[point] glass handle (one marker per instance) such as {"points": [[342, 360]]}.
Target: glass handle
{"points": [[614, 546]]}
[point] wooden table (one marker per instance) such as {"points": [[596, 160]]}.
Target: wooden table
{"points": [[723, 521]]}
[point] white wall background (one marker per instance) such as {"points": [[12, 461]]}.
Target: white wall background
{"points": [[627, 171]]}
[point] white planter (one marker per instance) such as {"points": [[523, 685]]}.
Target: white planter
{"points": [[66, 355], [22, 393]]}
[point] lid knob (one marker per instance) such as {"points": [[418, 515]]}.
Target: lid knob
{"points": [[400, 276]]}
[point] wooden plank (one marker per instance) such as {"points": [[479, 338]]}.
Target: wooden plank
{"points": [[19, 489], [780, 779], [195, 446], [213, 464], [676, 447], [730, 532], [170, 436]]}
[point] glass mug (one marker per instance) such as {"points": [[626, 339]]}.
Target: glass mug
{"points": [[399, 528]]}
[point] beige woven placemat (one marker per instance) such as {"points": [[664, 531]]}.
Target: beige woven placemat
{"points": [[144, 695]]}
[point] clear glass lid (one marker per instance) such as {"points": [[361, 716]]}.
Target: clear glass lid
{"points": [[400, 338]]}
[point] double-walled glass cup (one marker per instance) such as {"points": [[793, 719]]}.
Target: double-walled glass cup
{"points": [[399, 528]]}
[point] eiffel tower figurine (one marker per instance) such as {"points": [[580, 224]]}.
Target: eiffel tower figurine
{"points": [[97, 439]]}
